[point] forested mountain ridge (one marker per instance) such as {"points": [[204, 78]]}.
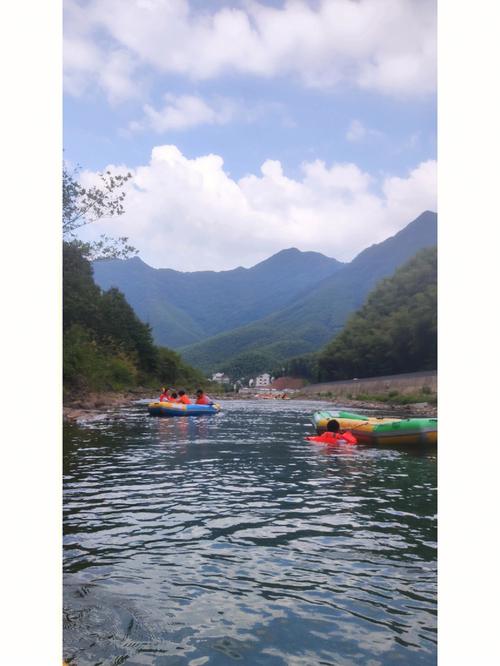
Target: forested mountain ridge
{"points": [[183, 308], [311, 320], [396, 329]]}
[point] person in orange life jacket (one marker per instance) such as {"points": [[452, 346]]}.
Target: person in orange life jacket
{"points": [[202, 398], [174, 397], [165, 394], [183, 397], [333, 434]]}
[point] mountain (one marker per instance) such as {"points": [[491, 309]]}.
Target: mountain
{"points": [[396, 329], [314, 317], [184, 308]]}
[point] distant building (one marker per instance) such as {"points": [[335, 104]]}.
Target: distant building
{"points": [[263, 380], [220, 378]]}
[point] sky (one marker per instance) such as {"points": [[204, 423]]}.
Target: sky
{"points": [[252, 126]]}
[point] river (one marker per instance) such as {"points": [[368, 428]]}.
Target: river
{"points": [[229, 539]]}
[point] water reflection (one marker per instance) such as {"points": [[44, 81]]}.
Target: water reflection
{"points": [[210, 540]]}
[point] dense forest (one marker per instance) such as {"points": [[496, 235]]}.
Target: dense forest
{"points": [[394, 332], [106, 346]]}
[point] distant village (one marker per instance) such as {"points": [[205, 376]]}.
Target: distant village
{"points": [[262, 382]]}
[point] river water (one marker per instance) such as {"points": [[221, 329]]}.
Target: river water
{"points": [[229, 539]]}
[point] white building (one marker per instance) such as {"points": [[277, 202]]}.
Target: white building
{"points": [[263, 380], [220, 378]]}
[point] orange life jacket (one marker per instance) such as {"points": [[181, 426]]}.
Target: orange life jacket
{"points": [[334, 437]]}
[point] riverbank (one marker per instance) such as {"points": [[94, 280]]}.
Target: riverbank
{"points": [[411, 394], [95, 405], [92, 405], [397, 410]]}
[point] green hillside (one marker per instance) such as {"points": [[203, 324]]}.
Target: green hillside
{"points": [[106, 346], [184, 308], [311, 320], [395, 331]]}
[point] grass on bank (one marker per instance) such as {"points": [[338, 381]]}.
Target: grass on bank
{"points": [[392, 397]]}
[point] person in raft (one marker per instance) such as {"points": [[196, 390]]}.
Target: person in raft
{"points": [[334, 434], [183, 397], [165, 394], [202, 398]]}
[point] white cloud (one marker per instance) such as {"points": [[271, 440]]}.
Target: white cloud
{"points": [[406, 193], [358, 132], [384, 45], [183, 112], [116, 76], [189, 214], [110, 67]]}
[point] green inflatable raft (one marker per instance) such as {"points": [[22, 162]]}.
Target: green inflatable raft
{"points": [[380, 431]]}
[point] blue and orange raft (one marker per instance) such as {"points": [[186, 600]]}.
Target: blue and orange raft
{"points": [[179, 409]]}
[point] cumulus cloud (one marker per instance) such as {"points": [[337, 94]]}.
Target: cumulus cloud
{"points": [[407, 193], [189, 214], [384, 45]]}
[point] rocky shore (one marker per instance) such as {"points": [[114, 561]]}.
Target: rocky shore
{"points": [[93, 405]]}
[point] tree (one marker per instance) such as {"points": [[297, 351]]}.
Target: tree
{"points": [[81, 295], [85, 205]]}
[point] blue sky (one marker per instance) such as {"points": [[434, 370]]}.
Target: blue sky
{"points": [[297, 125], [341, 94]]}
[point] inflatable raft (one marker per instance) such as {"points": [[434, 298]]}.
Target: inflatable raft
{"points": [[179, 409], [380, 431]]}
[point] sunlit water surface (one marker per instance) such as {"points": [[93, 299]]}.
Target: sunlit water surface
{"points": [[229, 539]]}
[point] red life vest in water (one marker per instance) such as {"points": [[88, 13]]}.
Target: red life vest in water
{"points": [[334, 438]]}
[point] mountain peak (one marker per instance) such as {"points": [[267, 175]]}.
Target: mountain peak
{"points": [[288, 250], [293, 256]]}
